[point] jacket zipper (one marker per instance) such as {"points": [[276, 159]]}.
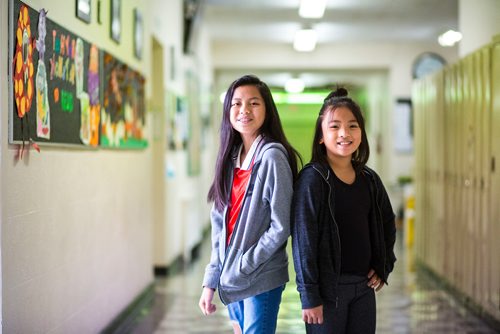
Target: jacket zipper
{"points": [[252, 177], [333, 218], [337, 232]]}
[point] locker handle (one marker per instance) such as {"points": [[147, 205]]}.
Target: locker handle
{"points": [[492, 164]]}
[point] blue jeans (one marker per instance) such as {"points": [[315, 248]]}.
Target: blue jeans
{"points": [[257, 314]]}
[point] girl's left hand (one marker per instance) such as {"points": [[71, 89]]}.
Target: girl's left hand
{"points": [[374, 281]]}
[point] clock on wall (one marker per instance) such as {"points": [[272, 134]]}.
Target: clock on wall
{"points": [[427, 63]]}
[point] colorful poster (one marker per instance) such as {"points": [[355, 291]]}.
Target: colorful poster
{"points": [[94, 95], [122, 123], [79, 55], [84, 118], [42, 100]]}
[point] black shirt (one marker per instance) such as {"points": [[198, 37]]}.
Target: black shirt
{"points": [[352, 211]]}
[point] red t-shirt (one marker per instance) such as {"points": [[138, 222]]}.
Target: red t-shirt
{"points": [[240, 182]]}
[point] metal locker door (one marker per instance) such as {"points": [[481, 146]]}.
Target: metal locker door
{"points": [[484, 228], [449, 166], [495, 180], [452, 257], [438, 171]]}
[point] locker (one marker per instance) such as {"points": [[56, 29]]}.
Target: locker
{"points": [[484, 119], [495, 183], [438, 179], [457, 153], [449, 169]]}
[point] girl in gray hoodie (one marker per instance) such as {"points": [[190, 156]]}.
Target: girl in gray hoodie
{"points": [[252, 193]]}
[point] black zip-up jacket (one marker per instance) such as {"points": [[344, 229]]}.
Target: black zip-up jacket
{"points": [[315, 234]]}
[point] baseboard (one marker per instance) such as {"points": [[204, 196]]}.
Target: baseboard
{"points": [[179, 262], [462, 298], [175, 267], [125, 321]]}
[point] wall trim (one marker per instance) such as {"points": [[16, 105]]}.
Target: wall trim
{"points": [[461, 297], [179, 263], [173, 268], [142, 304], [126, 320]]}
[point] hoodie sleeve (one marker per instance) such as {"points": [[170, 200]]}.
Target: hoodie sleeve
{"points": [[212, 270], [305, 237]]}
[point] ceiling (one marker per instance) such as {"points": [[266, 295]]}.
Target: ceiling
{"points": [[344, 20], [353, 21]]}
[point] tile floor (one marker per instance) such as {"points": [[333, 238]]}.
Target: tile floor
{"points": [[412, 303]]}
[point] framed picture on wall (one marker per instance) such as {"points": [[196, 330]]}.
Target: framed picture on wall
{"points": [[138, 33], [83, 10], [116, 20]]}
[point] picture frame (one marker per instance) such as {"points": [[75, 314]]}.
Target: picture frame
{"points": [[116, 20], [83, 10], [138, 34]]}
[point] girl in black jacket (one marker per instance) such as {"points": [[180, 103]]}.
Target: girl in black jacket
{"points": [[343, 225]]}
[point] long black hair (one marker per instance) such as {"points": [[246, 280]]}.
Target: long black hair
{"points": [[271, 130], [336, 99]]}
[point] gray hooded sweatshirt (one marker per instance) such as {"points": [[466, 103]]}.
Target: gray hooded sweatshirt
{"points": [[255, 261]]}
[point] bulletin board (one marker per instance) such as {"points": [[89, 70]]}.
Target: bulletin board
{"points": [[58, 83]]}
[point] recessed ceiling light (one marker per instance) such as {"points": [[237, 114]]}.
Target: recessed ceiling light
{"points": [[294, 85], [449, 38], [312, 9], [305, 40]]}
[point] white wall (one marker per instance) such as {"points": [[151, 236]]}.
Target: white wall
{"points": [[166, 18], [76, 223], [185, 209], [478, 21]]}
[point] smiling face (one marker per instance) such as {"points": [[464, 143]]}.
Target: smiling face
{"points": [[248, 112], [341, 133]]}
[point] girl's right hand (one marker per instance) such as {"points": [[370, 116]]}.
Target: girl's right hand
{"points": [[205, 303], [313, 315]]}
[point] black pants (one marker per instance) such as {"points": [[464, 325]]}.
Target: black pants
{"points": [[354, 312]]}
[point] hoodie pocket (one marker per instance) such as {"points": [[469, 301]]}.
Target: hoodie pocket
{"points": [[232, 277]]}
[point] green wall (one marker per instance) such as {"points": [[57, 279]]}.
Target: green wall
{"points": [[298, 114], [298, 122]]}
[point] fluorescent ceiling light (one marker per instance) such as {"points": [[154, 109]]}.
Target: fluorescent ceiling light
{"points": [[312, 9], [294, 85], [449, 38], [305, 40]]}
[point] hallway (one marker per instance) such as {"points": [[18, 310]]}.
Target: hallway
{"points": [[412, 303]]}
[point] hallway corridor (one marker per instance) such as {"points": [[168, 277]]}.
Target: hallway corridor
{"points": [[412, 303]]}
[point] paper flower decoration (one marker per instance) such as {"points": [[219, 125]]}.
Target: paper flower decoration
{"points": [[23, 64]]}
